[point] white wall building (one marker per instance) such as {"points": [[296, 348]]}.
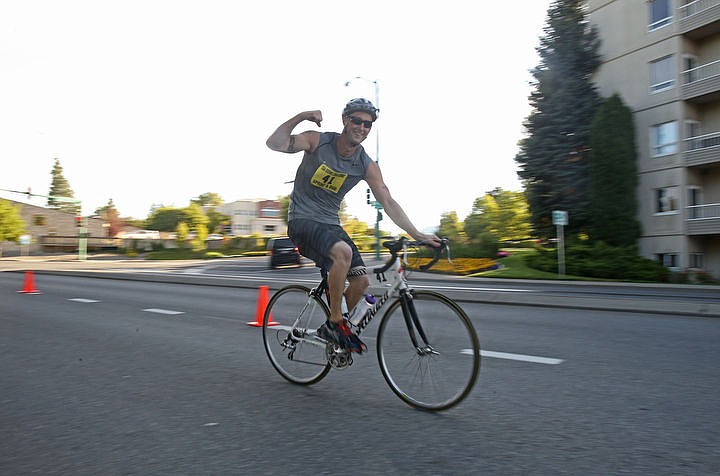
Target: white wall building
{"points": [[254, 217]]}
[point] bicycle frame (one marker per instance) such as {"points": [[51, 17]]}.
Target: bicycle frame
{"points": [[398, 288]]}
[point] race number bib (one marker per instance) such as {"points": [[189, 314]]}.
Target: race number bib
{"points": [[327, 178]]}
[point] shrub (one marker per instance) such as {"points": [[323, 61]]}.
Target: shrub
{"points": [[601, 261], [487, 246], [703, 277]]}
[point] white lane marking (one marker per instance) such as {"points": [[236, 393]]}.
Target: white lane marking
{"points": [[472, 289], [83, 300], [523, 358], [163, 311]]}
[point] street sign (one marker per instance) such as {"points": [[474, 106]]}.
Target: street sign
{"points": [[559, 217]]}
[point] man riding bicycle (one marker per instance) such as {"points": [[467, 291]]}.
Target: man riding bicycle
{"points": [[332, 165]]}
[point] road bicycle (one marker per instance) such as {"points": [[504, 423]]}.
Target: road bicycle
{"points": [[426, 345]]}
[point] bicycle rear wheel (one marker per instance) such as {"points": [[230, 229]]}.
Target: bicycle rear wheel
{"points": [[291, 318], [440, 372]]}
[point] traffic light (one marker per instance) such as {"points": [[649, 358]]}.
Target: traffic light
{"points": [[78, 221], [368, 196]]}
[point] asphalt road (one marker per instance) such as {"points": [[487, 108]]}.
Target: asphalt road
{"points": [[106, 376]]}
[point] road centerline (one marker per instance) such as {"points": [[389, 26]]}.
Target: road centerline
{"points": [[519, 357], [168, 312]]}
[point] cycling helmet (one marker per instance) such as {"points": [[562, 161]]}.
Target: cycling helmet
{"points": [[361, 105]]}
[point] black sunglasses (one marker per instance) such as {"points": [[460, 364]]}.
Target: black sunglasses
{"points": [[357, 121]]}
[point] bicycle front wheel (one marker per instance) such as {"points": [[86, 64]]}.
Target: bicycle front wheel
{"points": [[439, 369], [291, 319]]}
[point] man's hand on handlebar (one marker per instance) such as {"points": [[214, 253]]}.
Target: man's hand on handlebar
{"points": [[429, 239]]}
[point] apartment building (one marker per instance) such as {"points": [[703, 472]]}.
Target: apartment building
{"points": [[663, 58], [254, 217]]}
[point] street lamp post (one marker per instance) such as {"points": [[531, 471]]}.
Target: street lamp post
{"points": [[377, 205]]}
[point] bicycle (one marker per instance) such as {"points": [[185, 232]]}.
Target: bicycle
{"points": [[427, 347]]}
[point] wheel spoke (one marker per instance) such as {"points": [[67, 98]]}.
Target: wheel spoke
{"points": [[290, 344], [439, 373]]}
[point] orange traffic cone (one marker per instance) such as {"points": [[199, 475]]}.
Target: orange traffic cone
{"points": [[263, 298], [29, 287]]}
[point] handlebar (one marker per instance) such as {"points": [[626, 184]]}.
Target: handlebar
{"points": [[403, 243]]}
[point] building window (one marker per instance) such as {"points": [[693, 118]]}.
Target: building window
{"points": [[659, 14], [663, 139], [269, 228], [666, 200], [690, 69], [669, 260], [662, 74], [695, 260], [270, 213], [694, 202], [245, 213]]}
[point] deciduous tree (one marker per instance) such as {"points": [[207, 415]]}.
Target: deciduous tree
{"points": [[12, 225], [111, 216], [503, 213]]}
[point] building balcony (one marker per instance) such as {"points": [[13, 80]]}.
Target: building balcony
{"points": [[702, 150], [703, 219], [702, 84], [700, 19]]}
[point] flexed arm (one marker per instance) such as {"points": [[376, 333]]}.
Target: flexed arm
{"points": [[282, 140]]}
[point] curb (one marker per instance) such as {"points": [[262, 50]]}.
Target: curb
{"points": [[646, 306]]}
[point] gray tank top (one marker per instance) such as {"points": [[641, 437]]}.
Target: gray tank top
{"points": [[322, 180]]}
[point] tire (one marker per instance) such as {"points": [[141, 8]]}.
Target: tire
{"points": [[306, 363], [430, 382]]}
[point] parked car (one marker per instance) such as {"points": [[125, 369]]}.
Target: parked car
{"points": [[282, 252]]}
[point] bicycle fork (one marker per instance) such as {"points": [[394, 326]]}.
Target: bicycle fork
{"points": [[413, 324]]}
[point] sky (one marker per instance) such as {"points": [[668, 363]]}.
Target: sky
{"points": [[155, 102]]}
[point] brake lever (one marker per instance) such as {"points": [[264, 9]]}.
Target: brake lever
{"points": [[446, 242]]}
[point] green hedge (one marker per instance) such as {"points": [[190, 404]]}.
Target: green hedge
{"points": [[601, 261]]}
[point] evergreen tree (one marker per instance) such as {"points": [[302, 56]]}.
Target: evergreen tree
{"points": [[553, 158], [613, 175], [59, 187]]}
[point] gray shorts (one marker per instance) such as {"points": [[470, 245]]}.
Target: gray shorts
{"points": [[315, 239]]}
